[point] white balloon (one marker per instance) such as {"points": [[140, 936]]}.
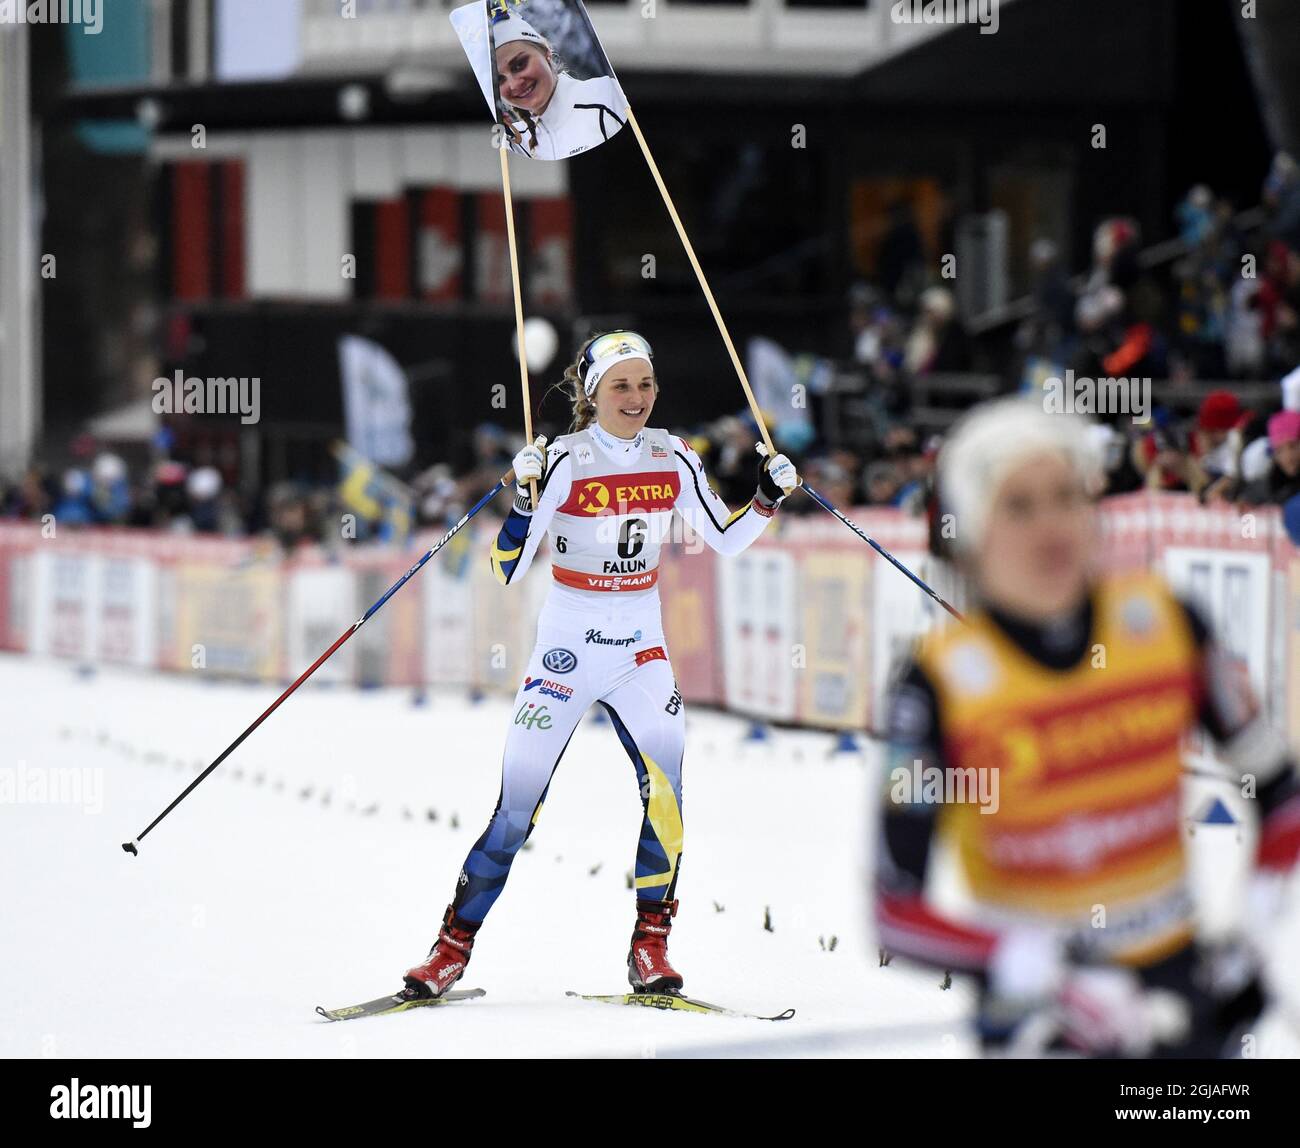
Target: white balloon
{"points": [[108, 468], [540, 343], [203, 483]]}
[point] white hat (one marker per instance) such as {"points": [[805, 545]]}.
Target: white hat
{"points": [[1291, 390], [994, 439], [203, 483], [511, 29], [1256, 459], [108, 468]]}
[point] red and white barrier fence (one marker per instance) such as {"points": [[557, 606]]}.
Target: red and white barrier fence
{"points": [[804, 627]]}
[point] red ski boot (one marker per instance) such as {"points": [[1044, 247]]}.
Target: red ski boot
{"points": [[648, 969], [447, 958]]}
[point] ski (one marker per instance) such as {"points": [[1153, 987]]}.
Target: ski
{"points": [[677, 1002], [398, 1002]]}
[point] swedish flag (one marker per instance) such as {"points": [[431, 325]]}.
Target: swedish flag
{"points": [[373, 494]]}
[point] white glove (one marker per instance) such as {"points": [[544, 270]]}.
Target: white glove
{"points": [[1096, 1010], [777, 476], [781, 471], [1108, 1012], [528, 466], [1027, 964]]}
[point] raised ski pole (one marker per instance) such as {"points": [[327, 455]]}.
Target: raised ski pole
{"points": [[132, 846], [885, 554], [703, 281], [519, 306], [739, 367]]}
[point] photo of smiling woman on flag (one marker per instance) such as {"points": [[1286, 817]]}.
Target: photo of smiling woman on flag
{"points": [[556, 92]]}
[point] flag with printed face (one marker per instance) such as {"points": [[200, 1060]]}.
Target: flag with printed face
{"points": [[544, 74]]}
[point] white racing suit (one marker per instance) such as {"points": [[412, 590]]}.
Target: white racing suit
{"points": [[608, 505]]}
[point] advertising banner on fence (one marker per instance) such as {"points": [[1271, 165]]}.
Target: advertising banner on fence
{"points": [[834, 595], [64, 611], [126, 604], [804, 627], [688, 590], [318, 597], [16, 543], [447, 618], [757, 598], [390, 653], [229, 621]]}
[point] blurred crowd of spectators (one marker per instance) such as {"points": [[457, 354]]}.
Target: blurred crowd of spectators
{"points": [[158, 492], [1224, 308], [1223, 305]]}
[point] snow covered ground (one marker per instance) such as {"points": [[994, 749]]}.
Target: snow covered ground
{"points": [[314, 866]]}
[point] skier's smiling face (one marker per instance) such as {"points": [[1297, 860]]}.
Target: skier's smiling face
{"points": [[625, 397], [525, 77]]}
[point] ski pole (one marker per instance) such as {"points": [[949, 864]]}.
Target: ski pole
{"points": [[885, 554], [132, 846]]}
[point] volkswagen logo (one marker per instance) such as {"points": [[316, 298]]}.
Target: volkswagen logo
{"points": [[559, 661]]}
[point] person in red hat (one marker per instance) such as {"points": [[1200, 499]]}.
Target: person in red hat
{"points": [[1206, 464]]}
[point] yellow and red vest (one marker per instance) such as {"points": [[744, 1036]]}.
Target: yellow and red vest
{"points": [[1088, 825]]}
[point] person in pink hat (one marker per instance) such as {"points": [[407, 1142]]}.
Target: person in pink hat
{"points": [[1282, 481]]}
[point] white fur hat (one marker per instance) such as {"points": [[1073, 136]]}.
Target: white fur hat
{"points": [[991, 441]]}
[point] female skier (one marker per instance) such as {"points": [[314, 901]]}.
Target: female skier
{"points": [[606, 494], [554, 115], [1042, 741]]}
